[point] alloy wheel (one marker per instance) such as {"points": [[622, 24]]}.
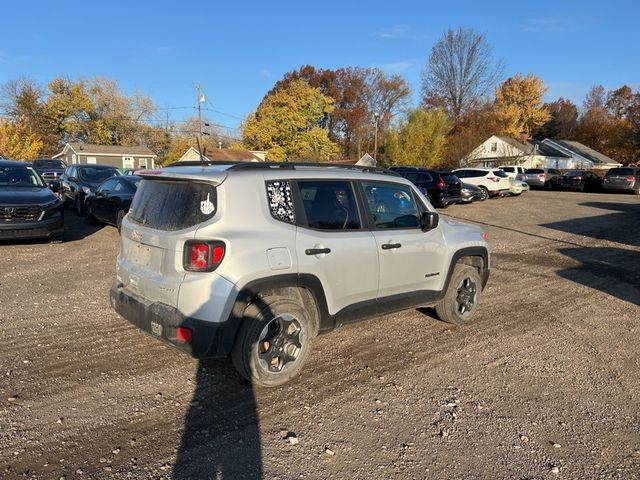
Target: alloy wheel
{"points": [[280, 343], [466, 296]]}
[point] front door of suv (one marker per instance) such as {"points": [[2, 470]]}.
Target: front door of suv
{"points": [[333, 245], [411, 261]]}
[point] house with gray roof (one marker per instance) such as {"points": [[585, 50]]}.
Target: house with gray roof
{"points": [[500, 150], [582, 153], [116, 155]]}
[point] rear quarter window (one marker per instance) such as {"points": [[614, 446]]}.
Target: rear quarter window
{"points": [[173, 205], [621, 171]]}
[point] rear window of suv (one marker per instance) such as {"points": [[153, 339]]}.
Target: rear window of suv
{"points": [[173, 205], [621, 171], [534, 170]]}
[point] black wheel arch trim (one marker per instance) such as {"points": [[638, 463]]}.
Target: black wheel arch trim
{"points": [[469, 252]]}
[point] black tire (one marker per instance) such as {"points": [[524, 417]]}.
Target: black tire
{"points": [[484, 194], [80, 209], [548, 185], [119, 218], [462, 297], [274, 341]]}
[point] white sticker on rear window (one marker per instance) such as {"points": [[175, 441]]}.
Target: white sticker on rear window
{"points": [[206, 206], [280, 201]]}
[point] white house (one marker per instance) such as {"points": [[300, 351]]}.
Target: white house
{"points": [[583, 156], [500, 150]]}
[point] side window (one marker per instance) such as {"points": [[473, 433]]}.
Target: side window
{"points": [[71, 172], [391, 205], [460, 173], [329, 205], [119, 187], [281, 201]]}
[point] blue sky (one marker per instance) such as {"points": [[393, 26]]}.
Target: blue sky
{"points": [[237, 50]]}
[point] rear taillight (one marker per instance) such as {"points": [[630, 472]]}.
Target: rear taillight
{"points": [[495, 179], [183, 335], [201, 256], [541, 175], [441, 183], [629, 179]]}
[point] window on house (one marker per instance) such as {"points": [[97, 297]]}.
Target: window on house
{"points": [[142, 163], [91, 160], [494, 146], [127, 162]]}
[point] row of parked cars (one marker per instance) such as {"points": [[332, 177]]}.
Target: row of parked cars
{"points": [[33, 197]]}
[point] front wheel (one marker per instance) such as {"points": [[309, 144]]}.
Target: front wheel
{"points": [[462, 297], [274, 341]]}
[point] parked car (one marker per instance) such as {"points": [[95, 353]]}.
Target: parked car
{"points": [[546, 178], [78, 180], [49, 169], [133, 171], [580, 180], [493, 181], [517, 187], [514, 171], [442, 188], [471, 193], [28, 207], [624, 179], [326, 257], [111, 200]]}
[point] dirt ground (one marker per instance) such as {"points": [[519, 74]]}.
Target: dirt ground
{"points": [[545, 384]]}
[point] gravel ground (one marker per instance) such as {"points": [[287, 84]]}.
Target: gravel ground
{"points": [[544, 384]]}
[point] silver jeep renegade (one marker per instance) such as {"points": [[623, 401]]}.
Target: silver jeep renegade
{"points": [[254, 260]]}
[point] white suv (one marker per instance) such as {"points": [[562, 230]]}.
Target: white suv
{"points": [[255, 259], [513, 171], [492, 181]]}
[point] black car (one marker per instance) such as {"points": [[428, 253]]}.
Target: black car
{"points": [[78, 181], [28, 207], [112, 199], [440, 186], [580, 180], [49, 169]]}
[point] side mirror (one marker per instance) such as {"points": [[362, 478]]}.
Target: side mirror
{"points": [[429, 221], [54, 186]]}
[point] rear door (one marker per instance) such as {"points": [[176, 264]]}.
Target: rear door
{"points": [[333, 244], [411, 261]]}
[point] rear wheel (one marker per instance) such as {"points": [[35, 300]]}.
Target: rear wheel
{"points": [[462, 297], [274, 341], [484, 194]]}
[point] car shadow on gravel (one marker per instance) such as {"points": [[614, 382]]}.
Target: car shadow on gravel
{"points": [[221, 438], [610, 270], [76, 228], [623, 226]]}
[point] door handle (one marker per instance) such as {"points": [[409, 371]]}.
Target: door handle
{"points": [[390, 246], [317, 251]]}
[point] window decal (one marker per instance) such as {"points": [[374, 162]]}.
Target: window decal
{"points": [[281, 201]]}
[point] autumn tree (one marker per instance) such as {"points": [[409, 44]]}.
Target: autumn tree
{"points": [[358, 93], [563, 122], [288, 124], [17, 142], [519, 105], [419, 138], [460, 72]]}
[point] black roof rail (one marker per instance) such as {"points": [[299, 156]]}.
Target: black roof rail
{"points": [[293, 165]]}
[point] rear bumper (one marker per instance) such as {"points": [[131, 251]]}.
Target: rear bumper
{"points": [[159, 320], [628, 187], [51, 228], [535, 183]]}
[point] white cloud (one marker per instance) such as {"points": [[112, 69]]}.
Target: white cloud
{"points": [[548, 25], [402, 31], [265, 73]]}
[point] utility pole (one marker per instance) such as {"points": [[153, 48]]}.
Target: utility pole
{"points": [[199, 123], [376, 117]]}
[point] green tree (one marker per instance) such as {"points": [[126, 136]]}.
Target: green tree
{"points": [[17, 141], [420, 138], [288, 124], [519, 105]]}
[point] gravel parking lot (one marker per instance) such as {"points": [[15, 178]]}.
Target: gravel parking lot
{"points": [[545, 384]]}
